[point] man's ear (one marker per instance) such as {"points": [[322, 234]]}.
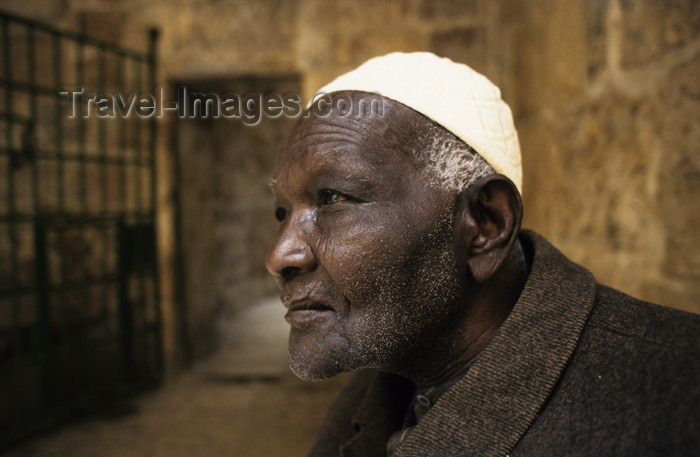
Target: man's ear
{"points": [[489, 213]]}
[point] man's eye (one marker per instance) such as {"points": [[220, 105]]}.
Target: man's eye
{"points": [[328, 197], [281, 214]]}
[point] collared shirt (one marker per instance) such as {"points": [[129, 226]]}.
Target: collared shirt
{"points": [[423, 399]]}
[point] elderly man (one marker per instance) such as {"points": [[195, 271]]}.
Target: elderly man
{"points": [[400, 255]]}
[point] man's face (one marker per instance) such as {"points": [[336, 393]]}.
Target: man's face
{"points": [[364, 256]]}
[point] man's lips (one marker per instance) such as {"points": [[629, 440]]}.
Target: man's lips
{"points": [[306, 304], [303, 313]]}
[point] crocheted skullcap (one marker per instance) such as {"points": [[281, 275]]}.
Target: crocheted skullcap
{"points": [[463, 101]]}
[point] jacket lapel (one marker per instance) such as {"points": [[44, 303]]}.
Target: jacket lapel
{"points": [[489, 410]]}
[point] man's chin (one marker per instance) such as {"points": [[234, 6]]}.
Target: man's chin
{"points": [[312, 373], [310, 369], [314, 359]]}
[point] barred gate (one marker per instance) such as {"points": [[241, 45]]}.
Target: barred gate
{"points": [[79, 314]]}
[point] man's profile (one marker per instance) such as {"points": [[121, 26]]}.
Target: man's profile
{"points": [[400, 255]]}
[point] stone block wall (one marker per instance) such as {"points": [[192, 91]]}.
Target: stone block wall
{"points": [[605, 93], [607, 105]]}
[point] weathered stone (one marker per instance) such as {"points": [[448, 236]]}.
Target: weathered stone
{"points": [[466, 45], [51, 12], [596, 37], [537, 148], [331, 39], [593, 196], [652, 27], [678, 115], [102, 25], [451, 9], [548, 50]]}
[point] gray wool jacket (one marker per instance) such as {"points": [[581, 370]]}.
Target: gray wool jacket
{"points": [[577, 369]]}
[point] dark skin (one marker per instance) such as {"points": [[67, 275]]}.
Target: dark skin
{"points": [[379, 267]]}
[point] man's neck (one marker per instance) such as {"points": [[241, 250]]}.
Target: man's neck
{"points": [[488, 309]]}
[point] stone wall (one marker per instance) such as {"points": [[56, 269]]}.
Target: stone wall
{"points": [[606, 97]]}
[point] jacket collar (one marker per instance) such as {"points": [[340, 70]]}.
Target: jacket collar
{"points": [[487, 411]]}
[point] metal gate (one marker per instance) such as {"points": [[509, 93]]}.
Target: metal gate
{"points": [[79, 314]]}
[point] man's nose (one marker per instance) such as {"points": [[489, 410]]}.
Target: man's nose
{"points": [[290, 255]]}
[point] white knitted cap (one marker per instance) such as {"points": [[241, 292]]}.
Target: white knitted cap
{"points": [[463, 101]]}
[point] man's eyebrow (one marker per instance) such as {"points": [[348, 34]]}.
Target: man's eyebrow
{"points": [[351, 181]]}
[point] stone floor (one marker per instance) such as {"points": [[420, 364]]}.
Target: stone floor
{"points": [[241, 402]]}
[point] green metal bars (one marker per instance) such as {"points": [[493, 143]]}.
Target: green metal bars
{"points": [[79, 300]]}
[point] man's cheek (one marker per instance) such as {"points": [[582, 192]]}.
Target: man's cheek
{"points": [[372, 283]]}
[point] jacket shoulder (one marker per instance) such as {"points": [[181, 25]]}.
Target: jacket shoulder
{"points": [[630, 388], [649, 323]]}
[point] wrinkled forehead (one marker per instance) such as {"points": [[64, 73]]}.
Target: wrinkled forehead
{"points": [[340, 129], [331, 147]]}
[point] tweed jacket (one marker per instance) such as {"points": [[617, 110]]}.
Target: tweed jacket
{"points": [[577, 369]]}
